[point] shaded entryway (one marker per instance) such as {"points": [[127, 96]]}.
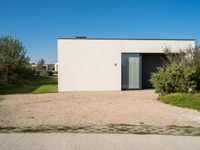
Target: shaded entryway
{"points": [[138, 68], [150, 63]]}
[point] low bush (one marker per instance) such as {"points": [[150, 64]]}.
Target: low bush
{"points": [[180, 73], [175, 78], [50, 73]]}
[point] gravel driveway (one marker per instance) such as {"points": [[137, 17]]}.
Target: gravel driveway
{"points": [[89, 108]]}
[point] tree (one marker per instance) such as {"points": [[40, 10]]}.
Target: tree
{"points": [[13, 59], [41, 70], [40, 63]]}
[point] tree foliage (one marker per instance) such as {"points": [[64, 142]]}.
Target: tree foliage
{"points": [[41, 68], [14, 64]]}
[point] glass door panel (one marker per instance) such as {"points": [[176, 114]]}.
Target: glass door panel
{"points": [[130, 71]]}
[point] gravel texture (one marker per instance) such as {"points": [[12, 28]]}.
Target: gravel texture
{"points": [[92, 108]]}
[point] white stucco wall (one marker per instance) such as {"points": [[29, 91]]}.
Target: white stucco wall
{"points": [[89, 64]]}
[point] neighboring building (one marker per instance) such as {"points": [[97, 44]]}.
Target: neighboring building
{"points": [[50, 67], [56, 67], [111, 64], [47, 67], [33, 65]]}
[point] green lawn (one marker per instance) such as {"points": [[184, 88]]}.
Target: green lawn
{"points": [[36, 86], [183, 100]]}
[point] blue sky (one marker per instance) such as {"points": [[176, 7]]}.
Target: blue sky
{"points": [[38, 23]]}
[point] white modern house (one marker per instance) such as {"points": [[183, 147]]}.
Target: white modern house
{"points": [[104, 64]]}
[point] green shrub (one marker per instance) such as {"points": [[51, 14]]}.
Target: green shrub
{"points": [[175, 78], [180, 73], [41, 69], [50, 73], [14, 64]]}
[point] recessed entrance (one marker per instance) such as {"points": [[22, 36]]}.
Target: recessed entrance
{"points": [[150, 63], [138, 68]]}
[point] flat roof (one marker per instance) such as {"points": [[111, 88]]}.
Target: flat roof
{"points": [[172, 39]]}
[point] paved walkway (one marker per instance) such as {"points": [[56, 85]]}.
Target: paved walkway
{"points": [[67, 141]]}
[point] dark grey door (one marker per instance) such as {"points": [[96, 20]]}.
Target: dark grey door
{"points": [[131, 71]]}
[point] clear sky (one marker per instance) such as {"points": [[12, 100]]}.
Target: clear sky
{"points": [[38, 23]]}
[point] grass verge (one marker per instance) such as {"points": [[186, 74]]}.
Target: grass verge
{"points": [[112, 129], [37, 86], [186, 100]]}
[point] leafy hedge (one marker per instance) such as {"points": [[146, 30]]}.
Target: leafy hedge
{"points": [[181, 72], [175, 78]]}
